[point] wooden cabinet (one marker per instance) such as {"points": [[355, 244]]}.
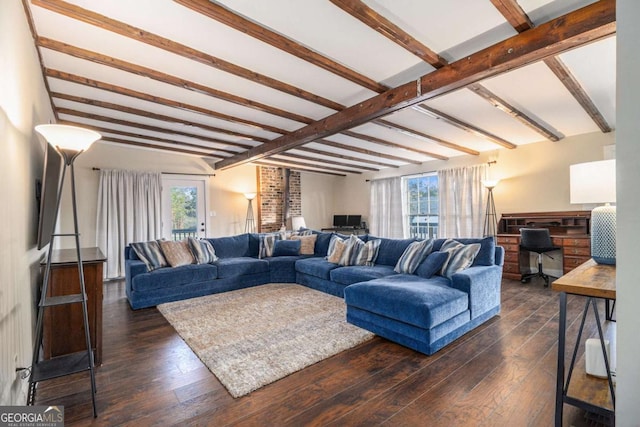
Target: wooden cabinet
{"points": [[569, 230], [63, 329]]}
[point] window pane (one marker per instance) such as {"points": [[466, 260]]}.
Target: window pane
{"points": [[422, 205], [184, 212]]}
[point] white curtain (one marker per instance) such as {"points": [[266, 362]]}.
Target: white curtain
{"points": [[128, 211], [461, 197], [385, 211]]}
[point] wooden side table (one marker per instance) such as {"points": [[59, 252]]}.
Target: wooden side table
{"points": [[592, 281], [57, 340]]}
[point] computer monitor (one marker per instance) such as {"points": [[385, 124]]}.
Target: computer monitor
{"points": [[354, 220], [339, 220]]}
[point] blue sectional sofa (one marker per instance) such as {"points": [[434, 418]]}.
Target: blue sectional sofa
{"points": [[424, 310]]}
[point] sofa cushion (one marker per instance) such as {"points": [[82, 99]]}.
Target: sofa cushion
{"points": [[359, 273], [266, 244], [336, 249], [307, 243], [151, 254], [432, 264], [486, 255], [322, 243], [352, 247], [202, 250], [460, 256], [177, 253], [286, 248], [317, 267], [229, 267], [391, 250], [421, 302], [411, 258], [170, 277], [233, 246]]}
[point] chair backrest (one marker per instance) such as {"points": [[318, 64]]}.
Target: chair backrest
{"points": [[535, 238]]}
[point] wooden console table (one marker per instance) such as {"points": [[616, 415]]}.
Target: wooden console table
{"points": [[63, 331], [592, 281]]}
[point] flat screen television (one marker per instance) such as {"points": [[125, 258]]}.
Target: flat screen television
{"points": [[354, 220], [339, 220], [49, 188]]}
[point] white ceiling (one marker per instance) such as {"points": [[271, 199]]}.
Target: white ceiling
{"points": [[453, 29]]}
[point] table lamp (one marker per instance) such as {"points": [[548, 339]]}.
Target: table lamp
{"points": [[595, 182]]}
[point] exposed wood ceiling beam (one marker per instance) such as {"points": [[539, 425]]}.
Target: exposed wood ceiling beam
{"points": [[517, 17], [158, 147], [582, 26], [345, 157], [286, 157], [222, 14], [161, 117], [103, 129], [399, 36], [272, 165], [56, 74], [514, 112], [566, 77], [373, 19], [425, 137], [293, 163], [367, 152], [386, 143], [166, 78], [467, 127], [106, 23], [514, 14], [331, 162]]}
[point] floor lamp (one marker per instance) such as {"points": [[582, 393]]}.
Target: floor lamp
{"points": [[250, 225], [490, 219], [70, 142]]}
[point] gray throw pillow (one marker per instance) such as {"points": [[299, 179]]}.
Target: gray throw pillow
{"points": [[460, 256], [411, 258]]}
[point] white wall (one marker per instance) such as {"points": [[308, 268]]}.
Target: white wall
{"points": [[534, 177], [23, 104], [318, 198], [628, 207]]}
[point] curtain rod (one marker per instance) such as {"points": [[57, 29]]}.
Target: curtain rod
{"points": [[175, 173], [421, 173]]}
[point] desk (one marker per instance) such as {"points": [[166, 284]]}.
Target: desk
{"points": [[592, 281], [63, 332]]}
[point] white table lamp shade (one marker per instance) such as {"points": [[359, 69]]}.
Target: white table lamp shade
{"points": [[595, 182]]}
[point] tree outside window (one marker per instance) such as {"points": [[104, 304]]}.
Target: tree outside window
{"points": [[184, 216]]}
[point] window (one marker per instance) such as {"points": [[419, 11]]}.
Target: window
{"points": [[421, 205]]}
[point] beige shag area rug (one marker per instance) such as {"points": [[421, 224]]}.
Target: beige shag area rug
{"points": [[252, 337]]}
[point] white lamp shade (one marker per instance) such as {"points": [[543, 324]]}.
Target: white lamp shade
{"points": [[68, 137], [593, 182], [250, 196], [490, 183]]}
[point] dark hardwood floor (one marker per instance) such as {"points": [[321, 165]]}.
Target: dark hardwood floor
{"points": [[501, 374]]}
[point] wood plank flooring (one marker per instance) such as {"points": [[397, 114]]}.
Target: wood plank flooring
{"points": [[501, 374]]}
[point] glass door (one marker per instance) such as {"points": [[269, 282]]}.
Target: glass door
{"points": [[183, 208]]}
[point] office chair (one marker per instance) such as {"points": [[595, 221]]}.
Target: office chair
{"points": [[537, 240]]}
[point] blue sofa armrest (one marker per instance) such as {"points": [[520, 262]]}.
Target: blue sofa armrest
{"points": [[483, 284]]}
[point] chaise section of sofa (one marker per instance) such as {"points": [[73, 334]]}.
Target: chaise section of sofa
{"points": [[427, 313]]}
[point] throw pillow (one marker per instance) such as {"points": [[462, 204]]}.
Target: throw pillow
{"points": [[352, 248], [307, 243], [432, 264], [460, 256], [176, 253], [368, 253], [411, 258], [286, 248], [202, 250], [267, 242], [335, 251], [151, 254], [332, 244]]}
